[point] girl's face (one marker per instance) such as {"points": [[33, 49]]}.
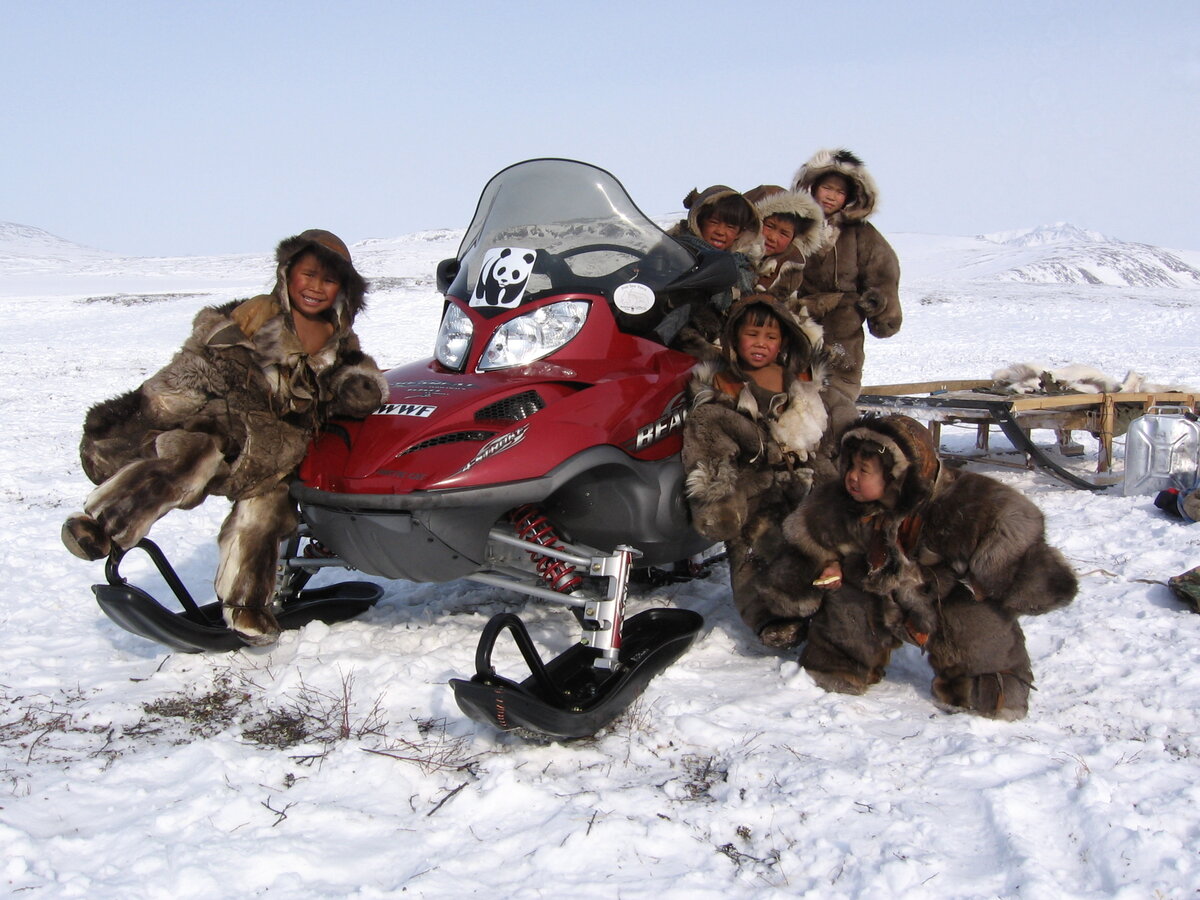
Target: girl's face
{"points": [[831, 192], [312, 288], [758, 346], [864, 479], [777, 234], [718, 232]]}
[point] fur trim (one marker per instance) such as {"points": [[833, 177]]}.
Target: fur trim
{"points": [[846, 164], [333, 253], [911, 461], [801, 425], [771, 199], [749, 241]]}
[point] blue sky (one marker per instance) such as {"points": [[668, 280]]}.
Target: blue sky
{"points": [[178, 128]]}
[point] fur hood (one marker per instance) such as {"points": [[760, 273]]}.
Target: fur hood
{"points": [[803, 336], [771, 199], [749, 241], [841, 162], [795, 420], [909, 456], [335, 255]]}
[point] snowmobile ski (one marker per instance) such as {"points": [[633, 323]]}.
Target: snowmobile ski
{"points": [[570, 697], [200, 629]]}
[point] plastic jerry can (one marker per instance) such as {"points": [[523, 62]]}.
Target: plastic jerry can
{"points": [[1162, 450]]}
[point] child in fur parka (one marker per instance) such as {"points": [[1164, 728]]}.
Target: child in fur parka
{"points": [[232, 415], [907, 550], [854, 278], [719, 218], [748, 450], [793, 228]]}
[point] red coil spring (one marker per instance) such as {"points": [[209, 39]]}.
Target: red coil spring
{"points": [[532, 526]]}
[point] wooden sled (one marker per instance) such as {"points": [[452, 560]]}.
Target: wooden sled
{"points": [[979, 403]]}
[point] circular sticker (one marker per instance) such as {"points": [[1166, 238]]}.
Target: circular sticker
{"points": [[633, 298]]}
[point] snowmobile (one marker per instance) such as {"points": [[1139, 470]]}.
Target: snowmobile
{"points": [[538, 451]]}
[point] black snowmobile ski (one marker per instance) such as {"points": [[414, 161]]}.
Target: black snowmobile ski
{"points": [[569, 697], [200, 629]]}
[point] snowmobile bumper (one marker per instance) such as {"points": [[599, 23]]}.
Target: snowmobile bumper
{"points": [[570, 697]]}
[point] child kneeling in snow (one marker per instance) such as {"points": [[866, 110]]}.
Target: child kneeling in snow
{"points": [[232, 415], [749, 446], [909, 550]]}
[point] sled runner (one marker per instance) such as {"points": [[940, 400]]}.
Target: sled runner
{"points": [[199, 629], [1016, 415]]}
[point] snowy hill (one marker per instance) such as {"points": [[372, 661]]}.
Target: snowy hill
{"points": [[336, 764], [27, 242], [1069, 255]]}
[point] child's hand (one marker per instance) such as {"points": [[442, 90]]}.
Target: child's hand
{"points": [[831, 576]]}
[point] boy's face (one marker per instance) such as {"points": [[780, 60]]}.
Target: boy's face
{"points": [[312, 288], [831, 192], [718, 232], [864, 479], [758, 346], [777, 234]]}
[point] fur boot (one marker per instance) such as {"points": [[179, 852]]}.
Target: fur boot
{"points": [[249, 552]]}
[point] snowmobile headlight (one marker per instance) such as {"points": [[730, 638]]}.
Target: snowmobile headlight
{"points": [[454, 338], [534, 335]]}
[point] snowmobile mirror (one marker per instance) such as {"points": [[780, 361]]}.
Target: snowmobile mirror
{"points": [[447, 270], [714, 271]]}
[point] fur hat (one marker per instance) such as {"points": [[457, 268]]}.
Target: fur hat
{"points": [[772, 200], [334, 255], [841, 162], [908, 453]]}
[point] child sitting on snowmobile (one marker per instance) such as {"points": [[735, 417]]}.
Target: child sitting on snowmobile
{"points": [[905, 549], [719, 218], [232, 414], [748, 449]]}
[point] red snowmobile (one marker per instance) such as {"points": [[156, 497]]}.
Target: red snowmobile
{"points": [[537, 451]]}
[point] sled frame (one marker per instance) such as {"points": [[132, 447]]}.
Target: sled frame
{"points": [[978, 402]]}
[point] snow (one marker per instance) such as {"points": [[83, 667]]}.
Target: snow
{"points": [[732, 776]]}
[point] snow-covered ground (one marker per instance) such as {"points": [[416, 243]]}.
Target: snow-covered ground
{"points": [[336, 764]]}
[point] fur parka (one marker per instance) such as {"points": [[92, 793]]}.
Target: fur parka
{"points": [[243, 377], [750, 457], [231, 414], [946, 559], [781, 274], [854, 278]]}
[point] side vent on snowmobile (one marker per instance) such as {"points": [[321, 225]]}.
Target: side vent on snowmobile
{"points": [[512, 409], [452, 438]]}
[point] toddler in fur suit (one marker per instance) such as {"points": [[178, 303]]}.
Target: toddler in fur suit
{"points": [[905, 549]]}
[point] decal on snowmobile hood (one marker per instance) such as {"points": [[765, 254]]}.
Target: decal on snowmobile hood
{"points": [[503, 276], [406, 409], [496, 445], [668, 423]]}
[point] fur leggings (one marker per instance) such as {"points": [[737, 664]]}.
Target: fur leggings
{"points": [[977, 651], [177, 477]]}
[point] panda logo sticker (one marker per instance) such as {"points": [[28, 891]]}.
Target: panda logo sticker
{"points": [[503, 276], [633, 298]]}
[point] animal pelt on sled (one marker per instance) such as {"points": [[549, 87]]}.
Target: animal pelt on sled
{"points": [[1034, 378]]}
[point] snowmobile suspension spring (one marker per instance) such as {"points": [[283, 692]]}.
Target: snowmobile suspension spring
{"points": [[533, 527]]}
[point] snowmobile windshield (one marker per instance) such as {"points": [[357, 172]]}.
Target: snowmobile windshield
{"points": [[553, 226]]}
